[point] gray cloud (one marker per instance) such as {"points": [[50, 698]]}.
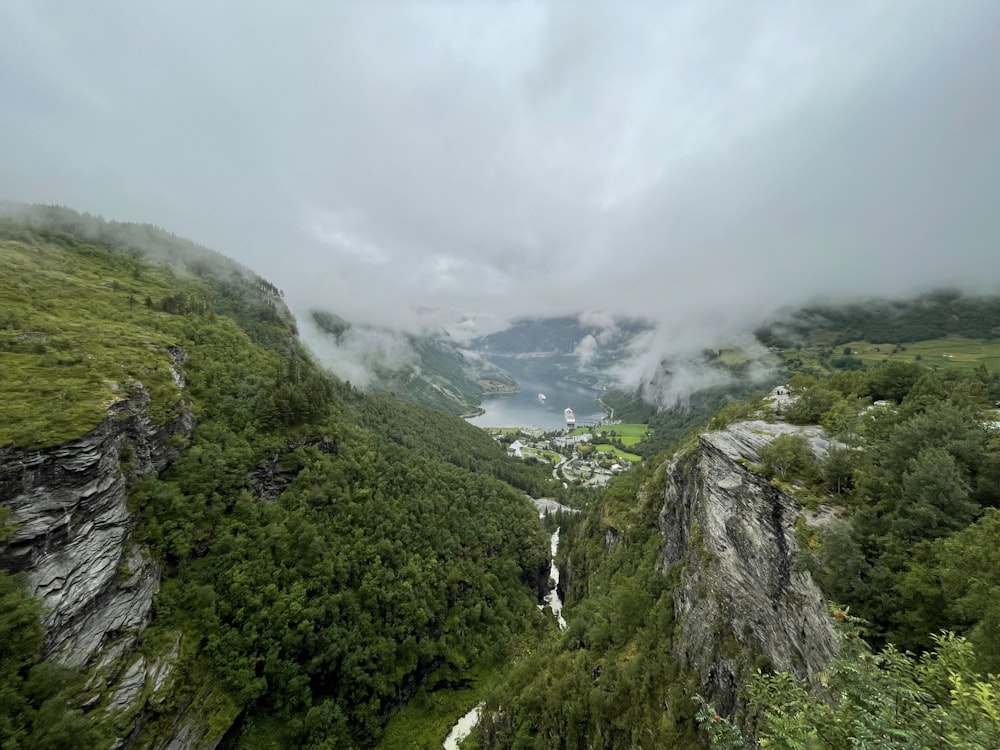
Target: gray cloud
{"points": [[696, 163]]}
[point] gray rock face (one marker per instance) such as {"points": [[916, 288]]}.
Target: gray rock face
{"points": [[740, 603], [69, 505]]}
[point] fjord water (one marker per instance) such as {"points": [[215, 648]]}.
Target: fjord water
{"points": [[525, 409]]}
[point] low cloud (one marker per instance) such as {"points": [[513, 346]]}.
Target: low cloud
{"points": [[586, 350], [359, 353], [434, 164]]}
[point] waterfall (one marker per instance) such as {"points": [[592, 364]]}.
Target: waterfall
{"points": [[552, 598], [462, 728]]}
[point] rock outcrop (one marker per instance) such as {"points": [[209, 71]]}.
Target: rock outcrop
{"points": [[72, 520], [741, 604], [68, 506]]}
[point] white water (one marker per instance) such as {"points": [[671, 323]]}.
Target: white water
{"points": [[466, 724], [546, 505], [461, 729], [552, 599]]}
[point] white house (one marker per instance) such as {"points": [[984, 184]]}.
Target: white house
{"points": [[515, 448]]}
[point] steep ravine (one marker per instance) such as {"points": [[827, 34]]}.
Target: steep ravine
{"points": [[741, 603], [68, 505]]}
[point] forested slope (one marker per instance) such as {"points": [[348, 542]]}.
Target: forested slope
{"points": [[323, 553], [899, 526]]}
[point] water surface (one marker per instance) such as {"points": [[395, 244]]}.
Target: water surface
{"points": [[525, 409]]}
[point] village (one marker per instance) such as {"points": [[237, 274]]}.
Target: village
{"points": [[585, 456]]}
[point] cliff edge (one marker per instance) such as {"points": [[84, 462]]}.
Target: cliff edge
{"points": [[741, 603]]}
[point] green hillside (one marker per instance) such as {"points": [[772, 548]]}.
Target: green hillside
{"points": [[330, 555], [431, 370], [910, 545], [397, 549], [930, 316]]}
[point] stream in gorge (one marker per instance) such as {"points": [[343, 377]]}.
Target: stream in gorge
{"points": [[467, 723], [552, 600]]}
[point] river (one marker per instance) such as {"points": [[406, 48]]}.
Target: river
{"points": [[525, 409]]}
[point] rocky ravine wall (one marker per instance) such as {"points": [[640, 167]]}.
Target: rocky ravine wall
{"points": [[69, 507], [740, 604]]}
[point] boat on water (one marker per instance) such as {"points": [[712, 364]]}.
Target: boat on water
{"points": [[570, 418], [541, 396]]}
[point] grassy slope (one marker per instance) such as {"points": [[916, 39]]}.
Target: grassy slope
{"points": [[69, 331], [946, 352], [70, 339], [606, 448]]}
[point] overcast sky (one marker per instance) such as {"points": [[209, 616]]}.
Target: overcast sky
{"points": [[697, 163]]}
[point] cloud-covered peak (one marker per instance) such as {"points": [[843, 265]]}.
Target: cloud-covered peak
{"points": [[699, 164]]}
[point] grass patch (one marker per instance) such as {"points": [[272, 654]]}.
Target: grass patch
{"points": [[542, 454], [606, 448], [947, 352], [80, 325], [628, 434], [74, 331], [428, 718]]}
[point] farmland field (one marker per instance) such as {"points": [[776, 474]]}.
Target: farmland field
{"points": [[629, 434], [946, 352], [604, 447]]}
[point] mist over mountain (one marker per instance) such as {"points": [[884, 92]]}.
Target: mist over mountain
{"points": [[430, 165]]}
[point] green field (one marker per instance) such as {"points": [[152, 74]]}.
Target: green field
{"points": [[629, 434], [940, 353], [952, 351], [605, 448], [542, 454]]}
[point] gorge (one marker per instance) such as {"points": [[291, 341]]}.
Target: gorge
{"points": [[210, 542]]}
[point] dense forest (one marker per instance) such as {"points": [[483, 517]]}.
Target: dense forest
{"points": [[910, 559], [324, 552], [328, 554]]}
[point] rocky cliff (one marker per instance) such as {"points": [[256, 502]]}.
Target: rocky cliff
{"points": [[741, 604], [68, 505]]}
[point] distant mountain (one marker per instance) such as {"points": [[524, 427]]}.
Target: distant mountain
{"points": [[929, 316], [432, 370], [437, 371], [571, 347]]}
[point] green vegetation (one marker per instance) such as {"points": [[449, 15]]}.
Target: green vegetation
{"points": [[432, 713], [610, 677], [888, 699], [668, 427], [325, 553], [913, 475], [916, 483], [947, 352], [626, 434], [427, 369], [71, 342], [331, 556], [931, 316], [37, 711], [543, 454], [617, 439], [950, 352], [608, 448]]}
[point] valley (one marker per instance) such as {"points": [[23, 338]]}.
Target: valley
{"points": [[500, 376], [210, 541]]}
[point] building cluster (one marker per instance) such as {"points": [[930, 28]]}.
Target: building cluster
{"points": [[574, 466]]}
